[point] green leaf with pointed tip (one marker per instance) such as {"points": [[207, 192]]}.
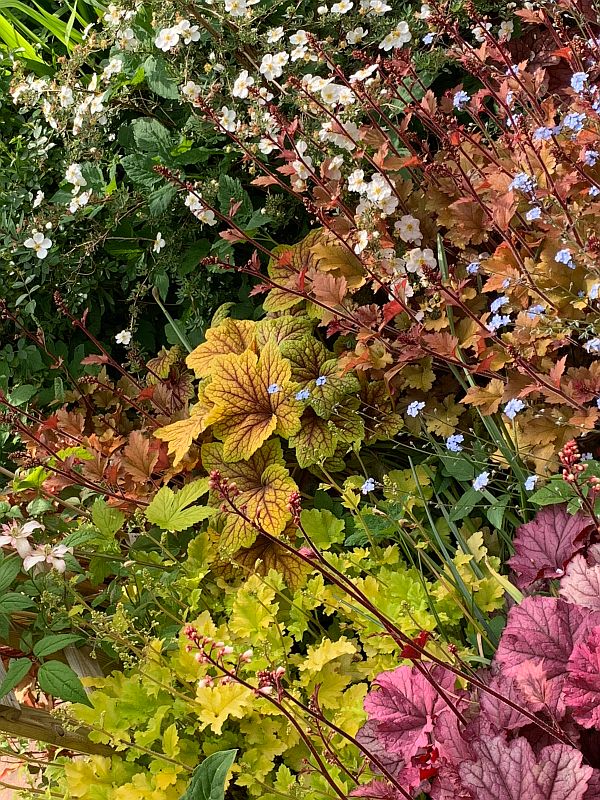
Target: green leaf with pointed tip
{"points": [[59, 680], [208, 780]]}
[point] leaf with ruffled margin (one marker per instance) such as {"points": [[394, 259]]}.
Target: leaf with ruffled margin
{"points": [[544, 546], [543, 630], [315, 441], [581, 583], [265, 487], [582, 685], [180, 435], [310, 361], [265, 555], [509, 771], [404, 707], [245, 414], [282, 329], [231, 337]]}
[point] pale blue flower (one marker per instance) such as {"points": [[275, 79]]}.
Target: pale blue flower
{"points": [[531, 482], [273, 388], [460, 100], [590, 157], [454, 442], [594, 191], [474, 267], [497, 304], [534, 213], [512, 408], [368, 486], [593, 346], [481, 481], [303, 394], [523, 183], [321, 380], [415, 408], [542, 134], [564, 256], [574, 121], [498, 321], [578, 81], [535, 311]]}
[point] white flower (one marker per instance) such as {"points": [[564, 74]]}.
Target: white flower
{"points": [[17, 536], [190, 90], [299, 38], [342, 7], [39, 198], [79, 201], [424, 13], [378, 7], [241, 85], [114, 66], [207, 216], [167, 39], [408, 228], [40, 243], [274, 34], [298, 52], [266, 146], [189, 33], [269, 68], [400, 36], [506, 29], [363, 74], [356, 35], [237, 8], [159, 243], [53, 556], [378, 189], [126, 39], [416, 259], [356, 181], [479, 31], [65, 96], [363, 241], [123, 337], [227, 119], [113, 15], [330, 94], [74, 175]]}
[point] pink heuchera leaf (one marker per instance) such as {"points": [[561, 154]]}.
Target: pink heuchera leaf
{"points": [[582, 685], [539, 692], [403, 708], [509, 771], [501, 715], [380, 790], [581, 584], [545, 546], [543, 630]]}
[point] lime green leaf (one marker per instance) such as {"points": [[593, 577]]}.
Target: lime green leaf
{"points": [[169, 509], [16, 671], [59, 680], [108, 520], [323, 527], [208, 780]]}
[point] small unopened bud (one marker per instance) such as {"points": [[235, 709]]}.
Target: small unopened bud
{"points": [[265, 690], [279, 672], [226, 651], [247, 655]]}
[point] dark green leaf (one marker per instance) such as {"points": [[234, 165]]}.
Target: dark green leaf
{"points": [[555, 491], [15, 673], [9, 569], [161, 199], [151, 137], [159, 78], [465, 505], [13, 601], [139, 168], [458, 467], [53, 643], [208, 780], [59, 680]]}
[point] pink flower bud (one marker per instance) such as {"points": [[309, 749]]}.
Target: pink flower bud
{"points": [[226, 651], [247, 655], [266, 690]]}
